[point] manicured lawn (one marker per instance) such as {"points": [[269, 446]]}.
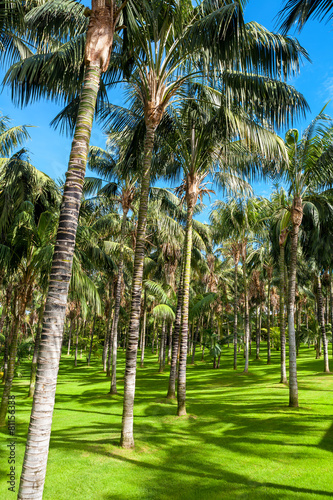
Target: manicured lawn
{"points": [[239, 441]]}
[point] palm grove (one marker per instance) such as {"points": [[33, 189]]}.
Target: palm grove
{"points": [[94, 265]]}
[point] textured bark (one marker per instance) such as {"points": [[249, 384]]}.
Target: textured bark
{"points": [[236, 259], [181, 388], [296, 218], [36, 453], [127, 438], [36, 349], [322, 325], [107, 337], [283, 379], [175, 341]]}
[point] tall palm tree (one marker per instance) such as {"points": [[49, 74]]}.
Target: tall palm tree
{"points": [[309, 166], [104, 17]]}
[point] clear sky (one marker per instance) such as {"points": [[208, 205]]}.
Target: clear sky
{"points": [[50, 151]]}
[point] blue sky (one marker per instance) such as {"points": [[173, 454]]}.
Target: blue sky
{"points": [[49, 151]]}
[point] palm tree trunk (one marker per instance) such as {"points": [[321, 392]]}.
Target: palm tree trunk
{"points": [[181, 389], [258, 319], [322, 325], [11, 369], [195, 340], [269, 323], [235, 312], [70, 336], [143, 333], [127, 439], [162, 348], [107, 338], [78, 327], [91, 340], [283, 379], [36, 453], [296, 217], [170, 344], [175, 341], [246, 316], [36, 349]]}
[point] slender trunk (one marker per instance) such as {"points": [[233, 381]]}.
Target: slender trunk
{"points": [[322, 325], [107, 338], [70, 336], [11, 369], [36, 453], [144, 323], [162, 348], [181, 388], [269, 323], [78, 327], [283, 379], [195, 341], [127, 439], [36, 349], [246, 316], [258, 332], [175, 341], [170, 344], [331, 307], [114, 330], [9, 323], [91, 340], [235, 312], [296, 216]]}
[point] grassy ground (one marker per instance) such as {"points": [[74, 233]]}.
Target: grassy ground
{"points": [[239, 441]]}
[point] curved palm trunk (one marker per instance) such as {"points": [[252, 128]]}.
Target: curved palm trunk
{"points": [[175, 341], [107, 338], [322, 325], [235, 312], [181, 388], [114, 330], [296, 218], [127, 438], [36, 453], [36, 349], [283, 379]]}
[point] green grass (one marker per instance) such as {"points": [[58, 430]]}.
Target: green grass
{"points": [[239, 441]]}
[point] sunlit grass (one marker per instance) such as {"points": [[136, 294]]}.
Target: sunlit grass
{"points": [[239, 440]]}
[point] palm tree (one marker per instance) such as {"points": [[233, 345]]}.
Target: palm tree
{"points": [[238, 219], [103, 21], [308, 167]]}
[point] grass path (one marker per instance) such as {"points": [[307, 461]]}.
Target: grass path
{"points": [[239, 440]]}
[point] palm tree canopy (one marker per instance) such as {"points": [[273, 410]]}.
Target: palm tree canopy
{"points": [[298, 12]]}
